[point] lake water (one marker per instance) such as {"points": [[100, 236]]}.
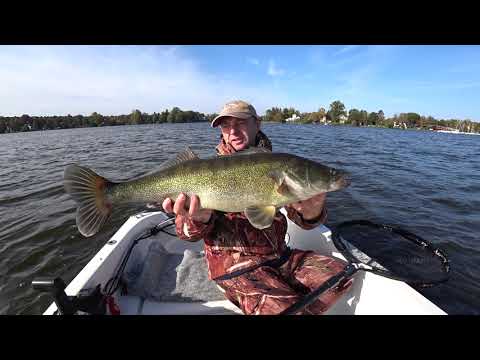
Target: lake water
{"points": [[426, 182]]}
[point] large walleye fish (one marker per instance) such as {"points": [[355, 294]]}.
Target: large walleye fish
{"points": [[255, 181]]}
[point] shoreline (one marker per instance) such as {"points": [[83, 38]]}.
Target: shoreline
{"points": [[263, 122]]}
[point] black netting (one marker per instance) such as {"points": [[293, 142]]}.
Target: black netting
{"points": [[392, 252]]}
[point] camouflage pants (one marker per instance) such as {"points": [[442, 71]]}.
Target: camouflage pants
{"points": [[269, 291]]}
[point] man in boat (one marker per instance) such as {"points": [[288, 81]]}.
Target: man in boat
{"points": [[235, 250]]}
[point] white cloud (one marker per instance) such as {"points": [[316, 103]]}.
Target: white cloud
{"points": [[253, 61], [346, 49], [273, 70], [359, 79], [60, 80]]}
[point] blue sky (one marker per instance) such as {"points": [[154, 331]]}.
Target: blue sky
{"points": [[441, 81]]}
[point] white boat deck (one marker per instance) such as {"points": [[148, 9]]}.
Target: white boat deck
{"points": [[370, 294]]}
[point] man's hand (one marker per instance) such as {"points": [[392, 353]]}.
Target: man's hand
{"points": [[187, 207], [310, 208]]}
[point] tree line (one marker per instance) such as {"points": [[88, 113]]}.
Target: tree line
{"points": [[336, 114], [136, 117]]}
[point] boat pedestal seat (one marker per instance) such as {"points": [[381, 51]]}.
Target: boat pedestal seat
{"points": [[160, 282]]}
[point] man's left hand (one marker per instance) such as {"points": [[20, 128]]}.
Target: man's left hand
{"points": [[310, 208]]}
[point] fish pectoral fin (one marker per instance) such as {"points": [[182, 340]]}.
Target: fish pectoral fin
{"points": [[260, 217]]}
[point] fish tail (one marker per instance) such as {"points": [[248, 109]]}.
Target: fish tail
{"points": [[88, 190]]}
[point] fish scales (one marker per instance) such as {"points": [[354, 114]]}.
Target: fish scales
{"points": [[255, 183], [227, 183]]}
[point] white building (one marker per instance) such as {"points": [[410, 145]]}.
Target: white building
{"points": [[293, 118]]}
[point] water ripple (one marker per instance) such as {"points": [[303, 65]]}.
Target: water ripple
{"points": [[426, 182]]}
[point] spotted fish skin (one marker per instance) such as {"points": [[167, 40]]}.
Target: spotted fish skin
{"points": [[258, 181]]}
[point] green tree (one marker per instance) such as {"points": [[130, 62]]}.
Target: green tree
{"points": [[274, 114], [337, 108], [172, 116], [96, 119], [413, 120], [322, 113], [3, 125], [354, 117], [314, 117], [25, 122], [164, 116], [381, 117], [372, 118], [363, 117], [210, 117], [135, 117], [289, 112], [430, 121]]}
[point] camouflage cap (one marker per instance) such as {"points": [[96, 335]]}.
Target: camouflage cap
{"points": [[238, 109]]}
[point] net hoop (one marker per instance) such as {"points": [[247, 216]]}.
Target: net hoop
{"points": [[341, 246]]}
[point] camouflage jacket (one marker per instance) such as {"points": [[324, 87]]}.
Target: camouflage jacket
{"points": [[231, 242]]}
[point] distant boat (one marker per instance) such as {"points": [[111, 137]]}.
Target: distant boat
{"points": [[456, 132], [448, 130]]}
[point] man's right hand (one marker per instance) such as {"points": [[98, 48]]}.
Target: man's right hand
{"points": [[187, 207]]}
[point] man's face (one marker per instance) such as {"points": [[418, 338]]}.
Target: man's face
{"points": [[240, 133]]}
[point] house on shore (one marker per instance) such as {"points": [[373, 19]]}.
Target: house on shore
{"points": [[294, 117]]}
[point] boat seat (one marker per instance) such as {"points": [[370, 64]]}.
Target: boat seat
{"points": [[155, 274]]}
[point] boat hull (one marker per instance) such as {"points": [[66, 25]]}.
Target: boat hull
{"points": [[370, 294]]}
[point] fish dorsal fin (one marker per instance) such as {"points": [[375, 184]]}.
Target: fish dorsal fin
{"points": [[186, 155], [183, 156], [250, 151], [260, 217]]}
